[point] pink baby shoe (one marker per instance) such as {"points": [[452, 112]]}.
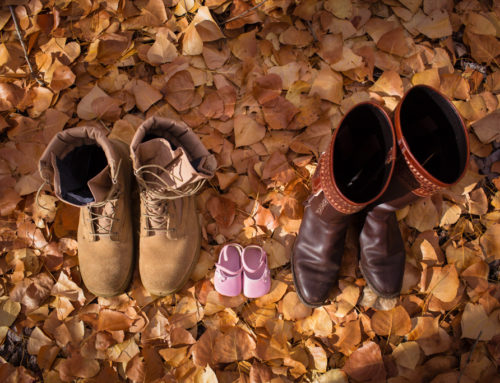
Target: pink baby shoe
{"points": [[256, 275], [227, 279]]}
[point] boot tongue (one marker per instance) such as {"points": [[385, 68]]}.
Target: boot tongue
{"points": [[172, 164]]}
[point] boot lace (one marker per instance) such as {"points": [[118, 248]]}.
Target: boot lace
{"points": [[157, 196], [102, 215]]}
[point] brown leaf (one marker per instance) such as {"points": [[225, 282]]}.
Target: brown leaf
{"points": [[423, 215], [106, 108], [267, 88], [490, 242], [222, 210], [328, 85], [396, 42], [235, 345], [366, 364], [10, 96], [407, 354], [477, 325], [331, 47], [84, 108], [349, 336], [179, 90], [293, 36], [206, 25], [487, 129], [279, 113], [111, 320], [212, 106], [392, 322], [484, 49], [145, 95], [62, 78], [162, 50], [275, 294], [436, 25], [112, 46], [37, 340], [192, 43], [389, 84], [78, 366]]}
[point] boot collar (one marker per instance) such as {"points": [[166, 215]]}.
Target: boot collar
{"points": [[67, 140]]}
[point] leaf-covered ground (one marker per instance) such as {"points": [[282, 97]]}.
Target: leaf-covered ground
{"points": [[264, 85]]}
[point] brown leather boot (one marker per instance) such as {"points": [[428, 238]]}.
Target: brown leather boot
{"points": [[171, 165], [434, 153], [92, 172], [354, 172]]}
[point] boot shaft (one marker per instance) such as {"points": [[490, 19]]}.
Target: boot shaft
{"points": [[171, 164], [433, 142], [83, 165], [358, 165]]}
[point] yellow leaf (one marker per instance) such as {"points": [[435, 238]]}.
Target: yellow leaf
{"points": [[444, 282]]}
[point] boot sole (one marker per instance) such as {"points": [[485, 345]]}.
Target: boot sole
{"points": [[376, 291], [298, 292]]}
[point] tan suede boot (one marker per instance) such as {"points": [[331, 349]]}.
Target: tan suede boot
{"points": [[171, 165], [90, 171]]}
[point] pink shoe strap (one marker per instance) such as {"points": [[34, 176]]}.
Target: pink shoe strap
{"points": [[228, 271], [262, 262]]}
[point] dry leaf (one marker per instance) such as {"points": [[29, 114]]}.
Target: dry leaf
{"points": [[247, 131], [392, 322], [477, 325], [179, 90], [328, 85], [407, 354], [236, 345], [293, 308], [366, 364], [442, 282]]}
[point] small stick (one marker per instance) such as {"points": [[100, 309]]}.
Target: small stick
{"points": [[470, 355], [18, 30], [245, 13]]}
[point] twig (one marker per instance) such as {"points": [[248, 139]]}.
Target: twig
{"points": [[18, 30], [470, 355], [245, 13]]}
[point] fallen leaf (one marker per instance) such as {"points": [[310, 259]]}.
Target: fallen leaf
{"points": [[366, 364], [393, 322], [84, 108], [328, 85], [442, 282], [235, 345], [407, 354], [293, 308], [476, 324], [179, 90]]}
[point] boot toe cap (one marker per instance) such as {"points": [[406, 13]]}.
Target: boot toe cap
{"points": [[165, 265], [313, 292], [106, 267]]}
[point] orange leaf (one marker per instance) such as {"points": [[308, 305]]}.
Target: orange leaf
{"points": [[111, 320], [443, 282], [392, 322], [293, 308]]}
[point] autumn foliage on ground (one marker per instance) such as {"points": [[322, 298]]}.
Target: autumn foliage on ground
{"points": [[263, 84]]}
